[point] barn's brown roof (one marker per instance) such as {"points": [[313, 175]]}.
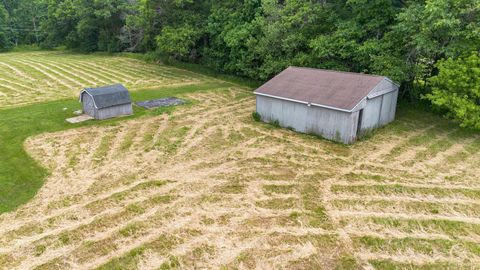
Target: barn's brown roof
{"points": [[335, 89]]}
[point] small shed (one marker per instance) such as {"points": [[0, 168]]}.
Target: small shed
{"points": [[340, 106], [106, 102]]}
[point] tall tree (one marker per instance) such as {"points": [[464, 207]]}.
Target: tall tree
{"points": [[356, 34], [142, 26], [29, 15], [423, 34], [88, 25], [4, 42]]}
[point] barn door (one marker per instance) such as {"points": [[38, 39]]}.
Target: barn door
{"points": [[359, 124]]}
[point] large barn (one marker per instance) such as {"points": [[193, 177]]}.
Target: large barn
{"points": [[339, 106], [106, 102]]}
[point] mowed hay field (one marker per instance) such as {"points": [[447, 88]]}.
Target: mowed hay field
{"points": [[206, 187], [42, 76]]}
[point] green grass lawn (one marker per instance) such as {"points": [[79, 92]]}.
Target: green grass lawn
{"points": [[20, 175]]}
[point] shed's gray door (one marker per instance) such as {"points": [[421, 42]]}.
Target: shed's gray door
{"points": [[359, 123], [88, 106]]}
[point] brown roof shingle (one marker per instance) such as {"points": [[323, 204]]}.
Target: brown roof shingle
{"points": [[341, 90]]}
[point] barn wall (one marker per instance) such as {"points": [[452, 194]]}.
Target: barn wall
{"points": [[114, 111], [383, 87], [389, 106], [371, 113], [88, 105], [330, 124], [379, 111]]}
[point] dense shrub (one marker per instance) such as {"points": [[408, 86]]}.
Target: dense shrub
{"points": [[456, 90], [256, 116]]}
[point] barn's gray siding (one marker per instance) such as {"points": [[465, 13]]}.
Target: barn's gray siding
{"points": [[389, 105], [371, 113], [330, 124], [88, 104], [105, 113], [106, 102], [114, 111], [385, 86], [377, 109], [380, 110]]}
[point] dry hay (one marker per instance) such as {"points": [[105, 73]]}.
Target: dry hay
{"points": [[30, 77], [207, 187]]}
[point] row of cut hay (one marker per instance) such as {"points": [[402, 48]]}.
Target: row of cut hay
{"points": [[37, 77]]}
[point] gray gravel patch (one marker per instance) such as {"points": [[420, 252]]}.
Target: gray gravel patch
{"points": [[161, 102]]}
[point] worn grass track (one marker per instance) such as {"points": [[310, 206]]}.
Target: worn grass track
{"points": [[207, 187]]}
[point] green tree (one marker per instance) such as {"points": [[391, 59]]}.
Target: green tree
{"points": [[232, 35], [87, 25], [28, 16], [4, 40], [286, 30], [423, 34], [356, 34], [456, 90], [142, 25], [177, 41]]}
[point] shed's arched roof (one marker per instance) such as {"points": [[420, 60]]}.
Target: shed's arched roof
{"points": [[108, 96]]}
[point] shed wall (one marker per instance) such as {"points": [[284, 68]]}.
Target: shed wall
{"points": [[371, 113], [383, 87], [110, 112], [389, 106], [379, 111], [330, 124], [88, 105]]}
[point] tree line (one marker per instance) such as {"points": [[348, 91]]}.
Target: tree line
{"points": [[415, 42]]}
